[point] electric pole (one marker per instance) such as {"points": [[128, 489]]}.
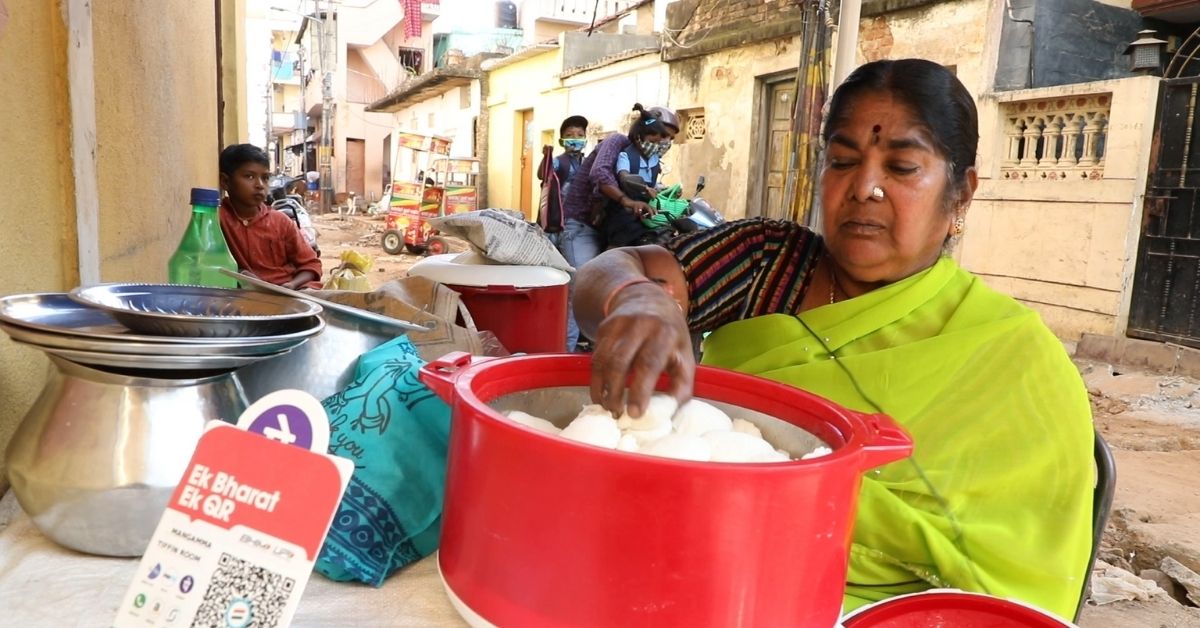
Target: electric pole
{"points": [[325, 155]]}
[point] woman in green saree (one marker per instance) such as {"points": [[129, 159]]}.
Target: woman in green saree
{"points": [[997, 495]]}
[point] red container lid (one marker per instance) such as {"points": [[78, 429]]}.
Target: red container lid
{"points": [[950, 608]]}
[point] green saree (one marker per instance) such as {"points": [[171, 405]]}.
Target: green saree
{"points": [[997, 495]]}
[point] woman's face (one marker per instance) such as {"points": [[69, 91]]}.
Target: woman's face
{"points": [[881, 143]]}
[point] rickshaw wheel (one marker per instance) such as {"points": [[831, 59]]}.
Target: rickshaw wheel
{"points": [[393, 242], [437, 245], [415, 249]]}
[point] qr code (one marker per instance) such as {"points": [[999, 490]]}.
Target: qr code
{"points": [[242, 595]]}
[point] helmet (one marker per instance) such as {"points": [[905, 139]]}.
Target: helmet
{"points": [[666, 116]]}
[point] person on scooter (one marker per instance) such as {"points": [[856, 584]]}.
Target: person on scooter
{"points": [[637, 168], [594, 187]]}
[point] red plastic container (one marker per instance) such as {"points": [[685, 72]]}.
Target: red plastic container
{"points": [[525, 306], [541, 531], [951, 608]]}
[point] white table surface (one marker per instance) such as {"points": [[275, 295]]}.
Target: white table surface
{"points": [[42, 584]]}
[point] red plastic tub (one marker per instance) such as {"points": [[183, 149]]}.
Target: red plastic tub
{"points": [[951, 608], [539, 531], [525, 306]]}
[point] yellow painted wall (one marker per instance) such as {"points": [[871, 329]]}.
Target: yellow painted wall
{"points": [[157, 132], [233, 60], [37, 237], [156, 137], [528, 84]]}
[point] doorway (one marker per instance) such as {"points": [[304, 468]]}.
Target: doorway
{"points": [[356, 167], [775, 127], [527, 151], [1165, 302]]}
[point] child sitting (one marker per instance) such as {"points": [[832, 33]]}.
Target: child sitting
{"points": [[265, 243]]}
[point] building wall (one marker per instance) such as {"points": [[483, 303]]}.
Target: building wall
{"points": [[37, 207], [1066, 248], [532, 83], [155, 137], [949, 33], [726, 85], [443, 115], [590, 93]]}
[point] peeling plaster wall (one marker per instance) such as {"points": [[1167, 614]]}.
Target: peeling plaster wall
{"points": [[727, 85], [949, 33]]}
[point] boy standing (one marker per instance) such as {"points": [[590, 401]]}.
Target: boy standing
{"points": [[264, 242], [572, 136]]}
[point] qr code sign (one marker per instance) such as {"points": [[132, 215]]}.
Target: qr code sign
{"points": [[241, 595]]}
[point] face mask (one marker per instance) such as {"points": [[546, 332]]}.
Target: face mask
{"points": [[574, 145], [649, 149], [663, 147]]}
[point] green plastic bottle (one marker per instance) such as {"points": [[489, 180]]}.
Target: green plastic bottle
{"points": [[203, 252]]}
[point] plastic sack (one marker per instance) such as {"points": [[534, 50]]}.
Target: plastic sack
{"points": [[351, 274], [669, 206], [397, 433]]}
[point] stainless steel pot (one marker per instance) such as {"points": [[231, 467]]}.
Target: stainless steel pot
{"points": [[95, 459]]}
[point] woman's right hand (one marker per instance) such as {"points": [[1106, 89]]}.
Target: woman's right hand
{"points": [[643, 337], [631, 302]]}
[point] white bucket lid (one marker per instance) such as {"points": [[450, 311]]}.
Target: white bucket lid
{"points": [[476, 271]]}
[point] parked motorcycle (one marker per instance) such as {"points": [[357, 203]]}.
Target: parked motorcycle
{"points": [[292, 206], [677, 215]]}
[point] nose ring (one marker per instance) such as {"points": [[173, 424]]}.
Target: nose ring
{"points": [[877, 193]]}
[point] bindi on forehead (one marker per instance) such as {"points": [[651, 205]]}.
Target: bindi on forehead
{"points": [[875, 133]]}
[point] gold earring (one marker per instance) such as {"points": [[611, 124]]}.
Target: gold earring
{"points": [[959, 225]]}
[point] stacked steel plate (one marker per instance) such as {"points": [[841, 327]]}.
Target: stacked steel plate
{"points": [[160, 326]]}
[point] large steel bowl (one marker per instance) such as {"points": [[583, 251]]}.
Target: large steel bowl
{"points": [[98, 454], [177, 310]]}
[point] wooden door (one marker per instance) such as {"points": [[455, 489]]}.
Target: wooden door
{"points": [[356, 167], [527, 162], [778, 105], [1165, 304]]}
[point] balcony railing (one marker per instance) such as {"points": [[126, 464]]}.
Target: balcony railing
{"points": [[579, 11], [1056, 138], [363, 88]]}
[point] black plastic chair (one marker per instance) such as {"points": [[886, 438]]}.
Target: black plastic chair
{"points": [[1102, 499]]}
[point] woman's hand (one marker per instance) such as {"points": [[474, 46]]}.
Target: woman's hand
{"points": [[643, 334], [642, 338]]}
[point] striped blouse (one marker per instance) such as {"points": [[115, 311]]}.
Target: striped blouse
{"points": [[746, 268]]}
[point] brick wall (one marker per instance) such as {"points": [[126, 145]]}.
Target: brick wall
{"points": [[702, 19]]}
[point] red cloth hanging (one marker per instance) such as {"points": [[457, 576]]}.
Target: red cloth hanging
{"points": [[412, 17]]}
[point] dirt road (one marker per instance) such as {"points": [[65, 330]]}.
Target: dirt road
{"points": [[362, 233]]}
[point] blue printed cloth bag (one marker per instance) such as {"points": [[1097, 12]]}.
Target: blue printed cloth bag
{"points": [[396, 431]]}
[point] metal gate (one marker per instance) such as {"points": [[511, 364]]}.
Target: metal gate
{"points": [[1166, 288]]}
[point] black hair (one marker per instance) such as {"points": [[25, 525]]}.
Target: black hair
{"points": [[237, 155], [645, 124], [578, 122], [936, 96]]}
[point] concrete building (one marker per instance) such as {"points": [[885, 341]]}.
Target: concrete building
{"points": [[1065, 155], [531, 92], [104, 142], [451, 98]]}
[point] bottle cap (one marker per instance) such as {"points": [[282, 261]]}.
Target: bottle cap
{"points": [[206, 196]]}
